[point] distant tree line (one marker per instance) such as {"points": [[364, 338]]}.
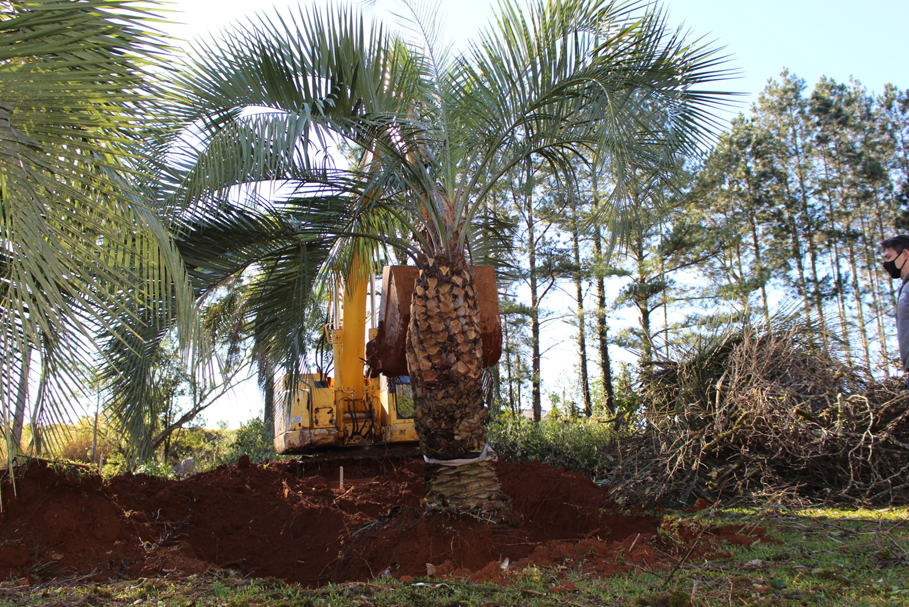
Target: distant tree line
{"points": [[786, 211]]}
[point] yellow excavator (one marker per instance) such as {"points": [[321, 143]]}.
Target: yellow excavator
{"points": [[368, 400]]}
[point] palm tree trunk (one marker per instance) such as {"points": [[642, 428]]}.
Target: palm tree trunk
{"points": [[266, 377], [444, 359], [268, 413], [95, 428]]}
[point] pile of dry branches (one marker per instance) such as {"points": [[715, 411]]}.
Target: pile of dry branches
{"points": [[765, 417]]}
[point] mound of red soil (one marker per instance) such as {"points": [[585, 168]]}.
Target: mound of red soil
{"points": [[286, 520]]}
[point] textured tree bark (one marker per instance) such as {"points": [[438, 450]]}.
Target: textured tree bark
{"points": [[444, 360]]}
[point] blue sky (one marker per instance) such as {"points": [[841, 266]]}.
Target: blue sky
{"points": [[835, 38], [839, 39]]}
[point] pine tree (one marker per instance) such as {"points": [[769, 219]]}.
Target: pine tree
{"points": [[782, 111]]}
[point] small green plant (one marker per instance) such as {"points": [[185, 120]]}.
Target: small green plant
{"points": [[156, 468], [578, 445]]}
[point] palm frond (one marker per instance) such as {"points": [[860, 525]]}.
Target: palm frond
{"points": [[84, 254], [433, 135]]}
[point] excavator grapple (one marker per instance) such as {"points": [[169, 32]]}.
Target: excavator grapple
{"points": [[385, 353]]}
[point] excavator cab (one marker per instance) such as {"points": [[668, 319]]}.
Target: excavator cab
{"points": [[370, 403]]}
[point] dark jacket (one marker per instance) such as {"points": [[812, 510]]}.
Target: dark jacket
{"points": [[902, 324]]}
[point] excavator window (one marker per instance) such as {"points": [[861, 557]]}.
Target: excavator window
{"points": [[400, 387]]}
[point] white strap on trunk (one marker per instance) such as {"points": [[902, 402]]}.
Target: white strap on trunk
{"points": [[486, 455]]}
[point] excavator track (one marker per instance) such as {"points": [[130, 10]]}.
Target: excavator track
{"points": [[359, 464]]}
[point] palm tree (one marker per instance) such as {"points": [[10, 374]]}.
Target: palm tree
{"points": [[79, 250], [432, 133]]}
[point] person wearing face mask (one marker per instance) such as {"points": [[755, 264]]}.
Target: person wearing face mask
{"points": [[896, 263]]}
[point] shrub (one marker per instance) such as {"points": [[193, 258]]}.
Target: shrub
{"points": [[76, 441], [254, 438], [156, 468], [63, 442], [208, 448], [578, 445]]}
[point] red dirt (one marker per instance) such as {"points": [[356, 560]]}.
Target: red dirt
{"points": [[285, 520]]}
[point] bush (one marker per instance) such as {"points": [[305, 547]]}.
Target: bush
{"points": [[63, 442], [254, 438], [77, 443], [578, 445], [209, 448], [156, 468]]}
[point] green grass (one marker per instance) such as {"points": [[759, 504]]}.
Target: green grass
{"points": [[829, 557]]}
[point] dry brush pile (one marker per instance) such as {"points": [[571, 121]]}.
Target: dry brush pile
{"points": [[765, 417]]}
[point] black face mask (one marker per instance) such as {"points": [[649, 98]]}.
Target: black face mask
{"points": [[890, 267]]}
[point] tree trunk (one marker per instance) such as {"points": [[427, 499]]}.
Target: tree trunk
{"points": [[266, 378], [646, 338], [582, 329], [642, 303], [493, 390], [268, 413], [759, 267], [21, 399], [444, 359], [797, 256], [536, 401], [839, 160], [877, 288], [808, 230], [603, 342], [833, 247], [602, 328], [859, 310], [38, 410], [95, 429], [535, 371], [506, 334]]}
